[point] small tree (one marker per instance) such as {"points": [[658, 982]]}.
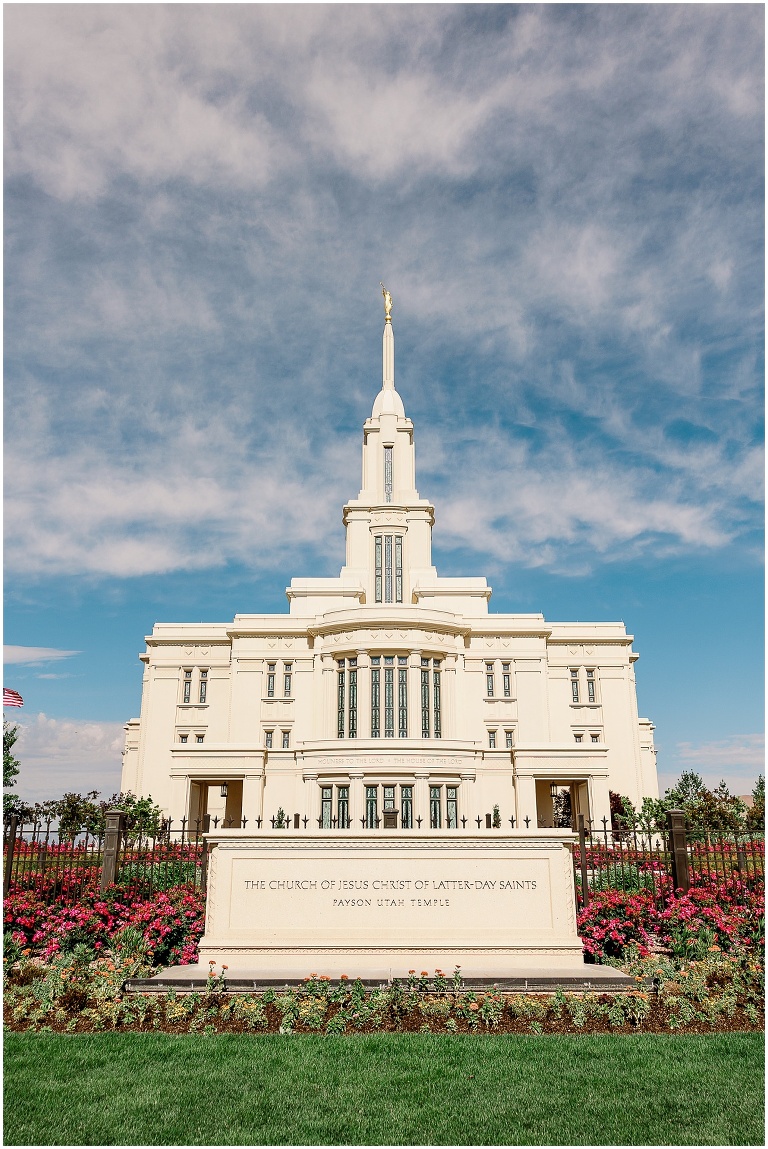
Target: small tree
{"points": [[755, 818], [10, 764], [561, 809]]}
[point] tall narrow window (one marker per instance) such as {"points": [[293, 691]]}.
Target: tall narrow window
{"points": [[340, 702], [375, 698], [287, 675], [590, 686], [203, 685], [271, 679], [425, 698], [389, 797], [508, 739], [402, 697], [326, 806], [434, 807], [286, 739], [388, 568], [387, 474], [371, 807], [491, 739], [187, 688], [388, 552], [406, 807], [575, 685], [268, 739], [436, 696], [489, 679], [343, 807], [398, 568], [353, 698], [389, 698], [451, 807], [506, 680], [377, 546]]}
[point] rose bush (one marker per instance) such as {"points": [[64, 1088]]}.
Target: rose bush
{"points": [[726, 915], [170, 922]]}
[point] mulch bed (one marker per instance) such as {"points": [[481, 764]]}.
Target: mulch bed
{"points": [[411, 1021]]}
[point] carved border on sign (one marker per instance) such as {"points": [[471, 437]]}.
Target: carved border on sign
{"points": [[399, 844]]}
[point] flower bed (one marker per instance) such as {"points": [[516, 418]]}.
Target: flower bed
{"points": [[72, 994], [170, 923], [721, 914]]}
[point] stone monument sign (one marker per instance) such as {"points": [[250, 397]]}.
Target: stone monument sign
{"points": [[289, 903]]}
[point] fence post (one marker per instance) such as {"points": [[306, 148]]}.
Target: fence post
{"points": [[583, 862], [678, 848], [11, 851], [115, 826]]}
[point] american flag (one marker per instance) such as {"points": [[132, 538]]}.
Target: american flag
{"points": [[11, 697]]}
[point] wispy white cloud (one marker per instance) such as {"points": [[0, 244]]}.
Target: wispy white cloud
{"points": [[737, 760], [203, 199], [742, 750], [33, 655], [59, 755]]}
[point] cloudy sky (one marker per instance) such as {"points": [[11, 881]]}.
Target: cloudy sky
{"points": [[566, 204]]}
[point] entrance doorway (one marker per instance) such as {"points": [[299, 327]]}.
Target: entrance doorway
{"points": [[220, 800], [559, 803]]}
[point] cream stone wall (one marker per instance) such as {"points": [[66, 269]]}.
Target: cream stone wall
{"points": [[392, 607]]}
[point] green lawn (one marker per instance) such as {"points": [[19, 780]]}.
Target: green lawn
{"points": [[156, 1089]]}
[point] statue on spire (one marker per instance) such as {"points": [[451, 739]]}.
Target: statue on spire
{"points": [[387, 303]]}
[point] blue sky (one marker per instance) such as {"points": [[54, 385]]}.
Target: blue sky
{"points": [[567, 204]]}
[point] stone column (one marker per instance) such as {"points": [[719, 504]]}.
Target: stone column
{"points": [[599, 803], [449, 721], [253, 796], [467, 796], [179, 799], [525, 802], [363, 694], [421, 799], [356, 799], [311, 798], [328, 695], [414, 694]]}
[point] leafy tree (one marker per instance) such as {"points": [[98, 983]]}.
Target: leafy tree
{"points": [[689, 791], [143, 818], [10, 764], [717, 810], [78, 813], [561, 809], [623, 813], [14, 805], [756, 813]]}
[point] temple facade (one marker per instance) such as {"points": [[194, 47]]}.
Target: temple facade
{"points": [[389, 696]]}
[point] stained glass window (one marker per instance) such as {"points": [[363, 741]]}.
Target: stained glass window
{"points": [[406, 806]]}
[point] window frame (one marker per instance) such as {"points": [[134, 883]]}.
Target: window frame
{"points": [[490, 685]]}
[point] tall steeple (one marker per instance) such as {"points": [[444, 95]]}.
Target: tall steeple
{"points": [[388, 512]]}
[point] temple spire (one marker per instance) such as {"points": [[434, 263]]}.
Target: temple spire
{"points": [[388, 344]]}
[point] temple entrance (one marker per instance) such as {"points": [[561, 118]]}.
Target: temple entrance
{"points": [[221, 801], [559, 803]]}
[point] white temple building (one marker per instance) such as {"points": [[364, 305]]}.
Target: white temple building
{"points": [[389, 696]]}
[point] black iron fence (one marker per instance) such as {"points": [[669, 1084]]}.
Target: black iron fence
{"points": [[662, 860], [56, 867]]}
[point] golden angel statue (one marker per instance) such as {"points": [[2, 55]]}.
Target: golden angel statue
{"points": [[387, 303]]}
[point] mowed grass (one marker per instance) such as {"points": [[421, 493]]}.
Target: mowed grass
{"points": [[159, 1089]]}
